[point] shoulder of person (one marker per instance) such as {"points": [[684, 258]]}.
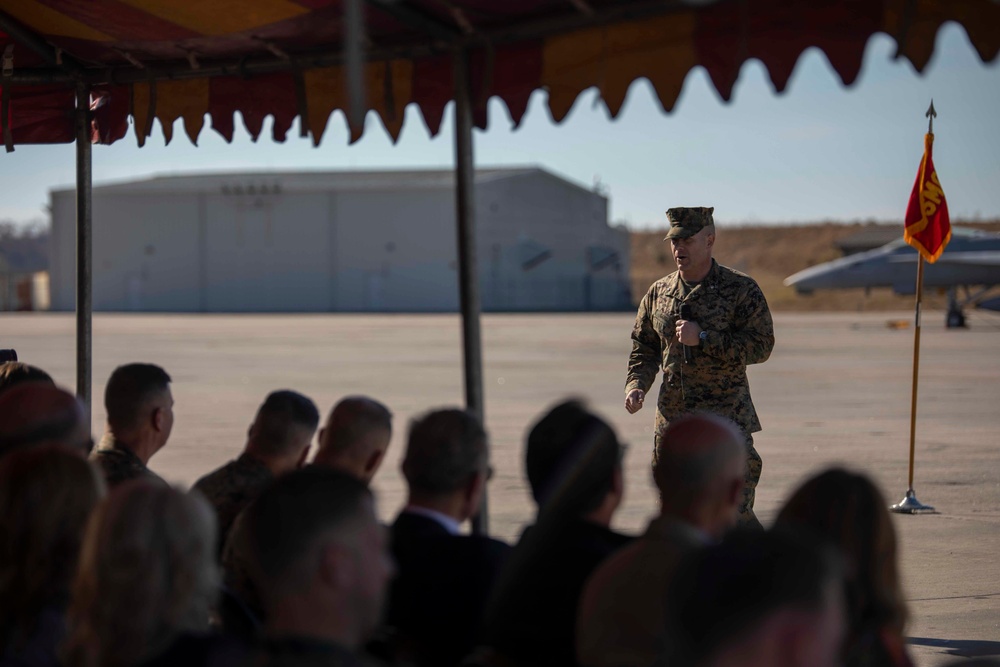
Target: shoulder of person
{"points": [[727, 273]]}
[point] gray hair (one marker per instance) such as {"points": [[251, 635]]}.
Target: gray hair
{"points": [[147, 574]]}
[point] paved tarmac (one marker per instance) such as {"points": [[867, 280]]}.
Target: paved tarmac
{"points": [[835, 391]]}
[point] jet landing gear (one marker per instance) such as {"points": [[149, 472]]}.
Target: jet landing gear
{"points": [[955, 319]]}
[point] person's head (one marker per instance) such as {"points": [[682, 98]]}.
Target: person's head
{"points": [[13, 373], [355, 437], [692, 237], [46, 496], [446, 464], [40, 413], [756, 598], [320, 556], [573, 463], [147, 574], [140, 406], [699, 471], [282, 430], [850, 512]]}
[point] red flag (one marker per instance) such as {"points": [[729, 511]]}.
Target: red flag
{"points": [[928, 228]]}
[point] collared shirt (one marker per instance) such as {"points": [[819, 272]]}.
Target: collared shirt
{"points": [[448, 523], [120, 464]]}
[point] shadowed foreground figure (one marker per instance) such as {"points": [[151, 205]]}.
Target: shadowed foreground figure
{"points": [[445, 578], [277, 443], [140, 411], [355, 437], [850, 512], [34, 414], [323, 567], [758, 599], [46, 497], [573, 460], [146, 581], [699, 472]]}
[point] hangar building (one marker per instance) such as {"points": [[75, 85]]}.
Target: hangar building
{"points": [[341, 241]]}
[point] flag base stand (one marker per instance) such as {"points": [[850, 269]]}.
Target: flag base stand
{"points": [[910, 505]]}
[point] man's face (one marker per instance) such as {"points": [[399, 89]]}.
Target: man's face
{"points": [[375, 568], [694, 253], [165, 404]]}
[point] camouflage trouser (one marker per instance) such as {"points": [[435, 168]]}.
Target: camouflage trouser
{"points": [[746, 516]]}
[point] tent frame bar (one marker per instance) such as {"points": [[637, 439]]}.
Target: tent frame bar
{"points": [[84, 248], [468, 272]]}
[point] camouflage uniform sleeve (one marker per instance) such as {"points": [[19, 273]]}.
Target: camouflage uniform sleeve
{"points": [[647, 350], [752, 336]]}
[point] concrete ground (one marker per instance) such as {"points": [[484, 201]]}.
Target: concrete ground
{"points": [[835, 391]]}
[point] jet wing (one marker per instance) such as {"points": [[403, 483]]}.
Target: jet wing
{"points": [[970, 258]]}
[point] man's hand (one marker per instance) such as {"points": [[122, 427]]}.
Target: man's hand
{"points": [[633, 402], [688, 332]]}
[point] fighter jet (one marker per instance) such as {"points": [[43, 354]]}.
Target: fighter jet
{"points": [[970, 262]]}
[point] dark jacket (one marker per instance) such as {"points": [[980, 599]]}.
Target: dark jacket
{"points": [[437, 601], [532, 621]]}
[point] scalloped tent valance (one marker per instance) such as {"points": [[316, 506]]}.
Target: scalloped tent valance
{"points": [[171, 59]]}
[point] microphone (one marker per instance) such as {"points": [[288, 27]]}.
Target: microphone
{"points": [[685, 313]]}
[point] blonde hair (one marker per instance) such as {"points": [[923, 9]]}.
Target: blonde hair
{"points": [[46, 496], [147, 574]]}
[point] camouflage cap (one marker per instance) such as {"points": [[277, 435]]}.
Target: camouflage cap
{"points": [[686, 221]]}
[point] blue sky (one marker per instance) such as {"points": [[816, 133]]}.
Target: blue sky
{"points": [[817, 152]]}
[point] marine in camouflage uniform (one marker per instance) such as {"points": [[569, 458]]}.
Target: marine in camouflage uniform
{"points": [[736, 330], [231, 488], [120, 464]]}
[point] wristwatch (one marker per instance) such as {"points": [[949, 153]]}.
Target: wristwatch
{"points": [[703, 335]]}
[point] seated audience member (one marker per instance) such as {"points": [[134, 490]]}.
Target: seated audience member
{"points": [[34, 414], [146, 581], [699, 472], [277, 443], [757, 599], [46, 496], [323, 566], [355, 437], [573, 461], [445, 578], [13, 373], [140, 411], [849, 511]]}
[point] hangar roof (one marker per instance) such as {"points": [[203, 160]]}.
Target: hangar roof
{"points": [[310, 181]]}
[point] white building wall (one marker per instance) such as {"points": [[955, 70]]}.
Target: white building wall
{"points": [[395, 250], [524, 215], [267, 252], [365, 248]]}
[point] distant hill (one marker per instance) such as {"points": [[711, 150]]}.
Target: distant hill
{"points": [[771, 253]]}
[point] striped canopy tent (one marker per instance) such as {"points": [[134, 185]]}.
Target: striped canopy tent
{"points": [[186, 59], [79, 70]]}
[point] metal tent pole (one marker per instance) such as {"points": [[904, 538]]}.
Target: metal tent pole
{"points": [[468, 274], [84, 247]]}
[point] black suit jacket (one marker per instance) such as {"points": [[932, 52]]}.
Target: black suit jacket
{"points": [[532, 619], [437, 601]]}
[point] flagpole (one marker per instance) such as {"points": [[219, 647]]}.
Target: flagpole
{"points": [[909, 504], [916, 372]]}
